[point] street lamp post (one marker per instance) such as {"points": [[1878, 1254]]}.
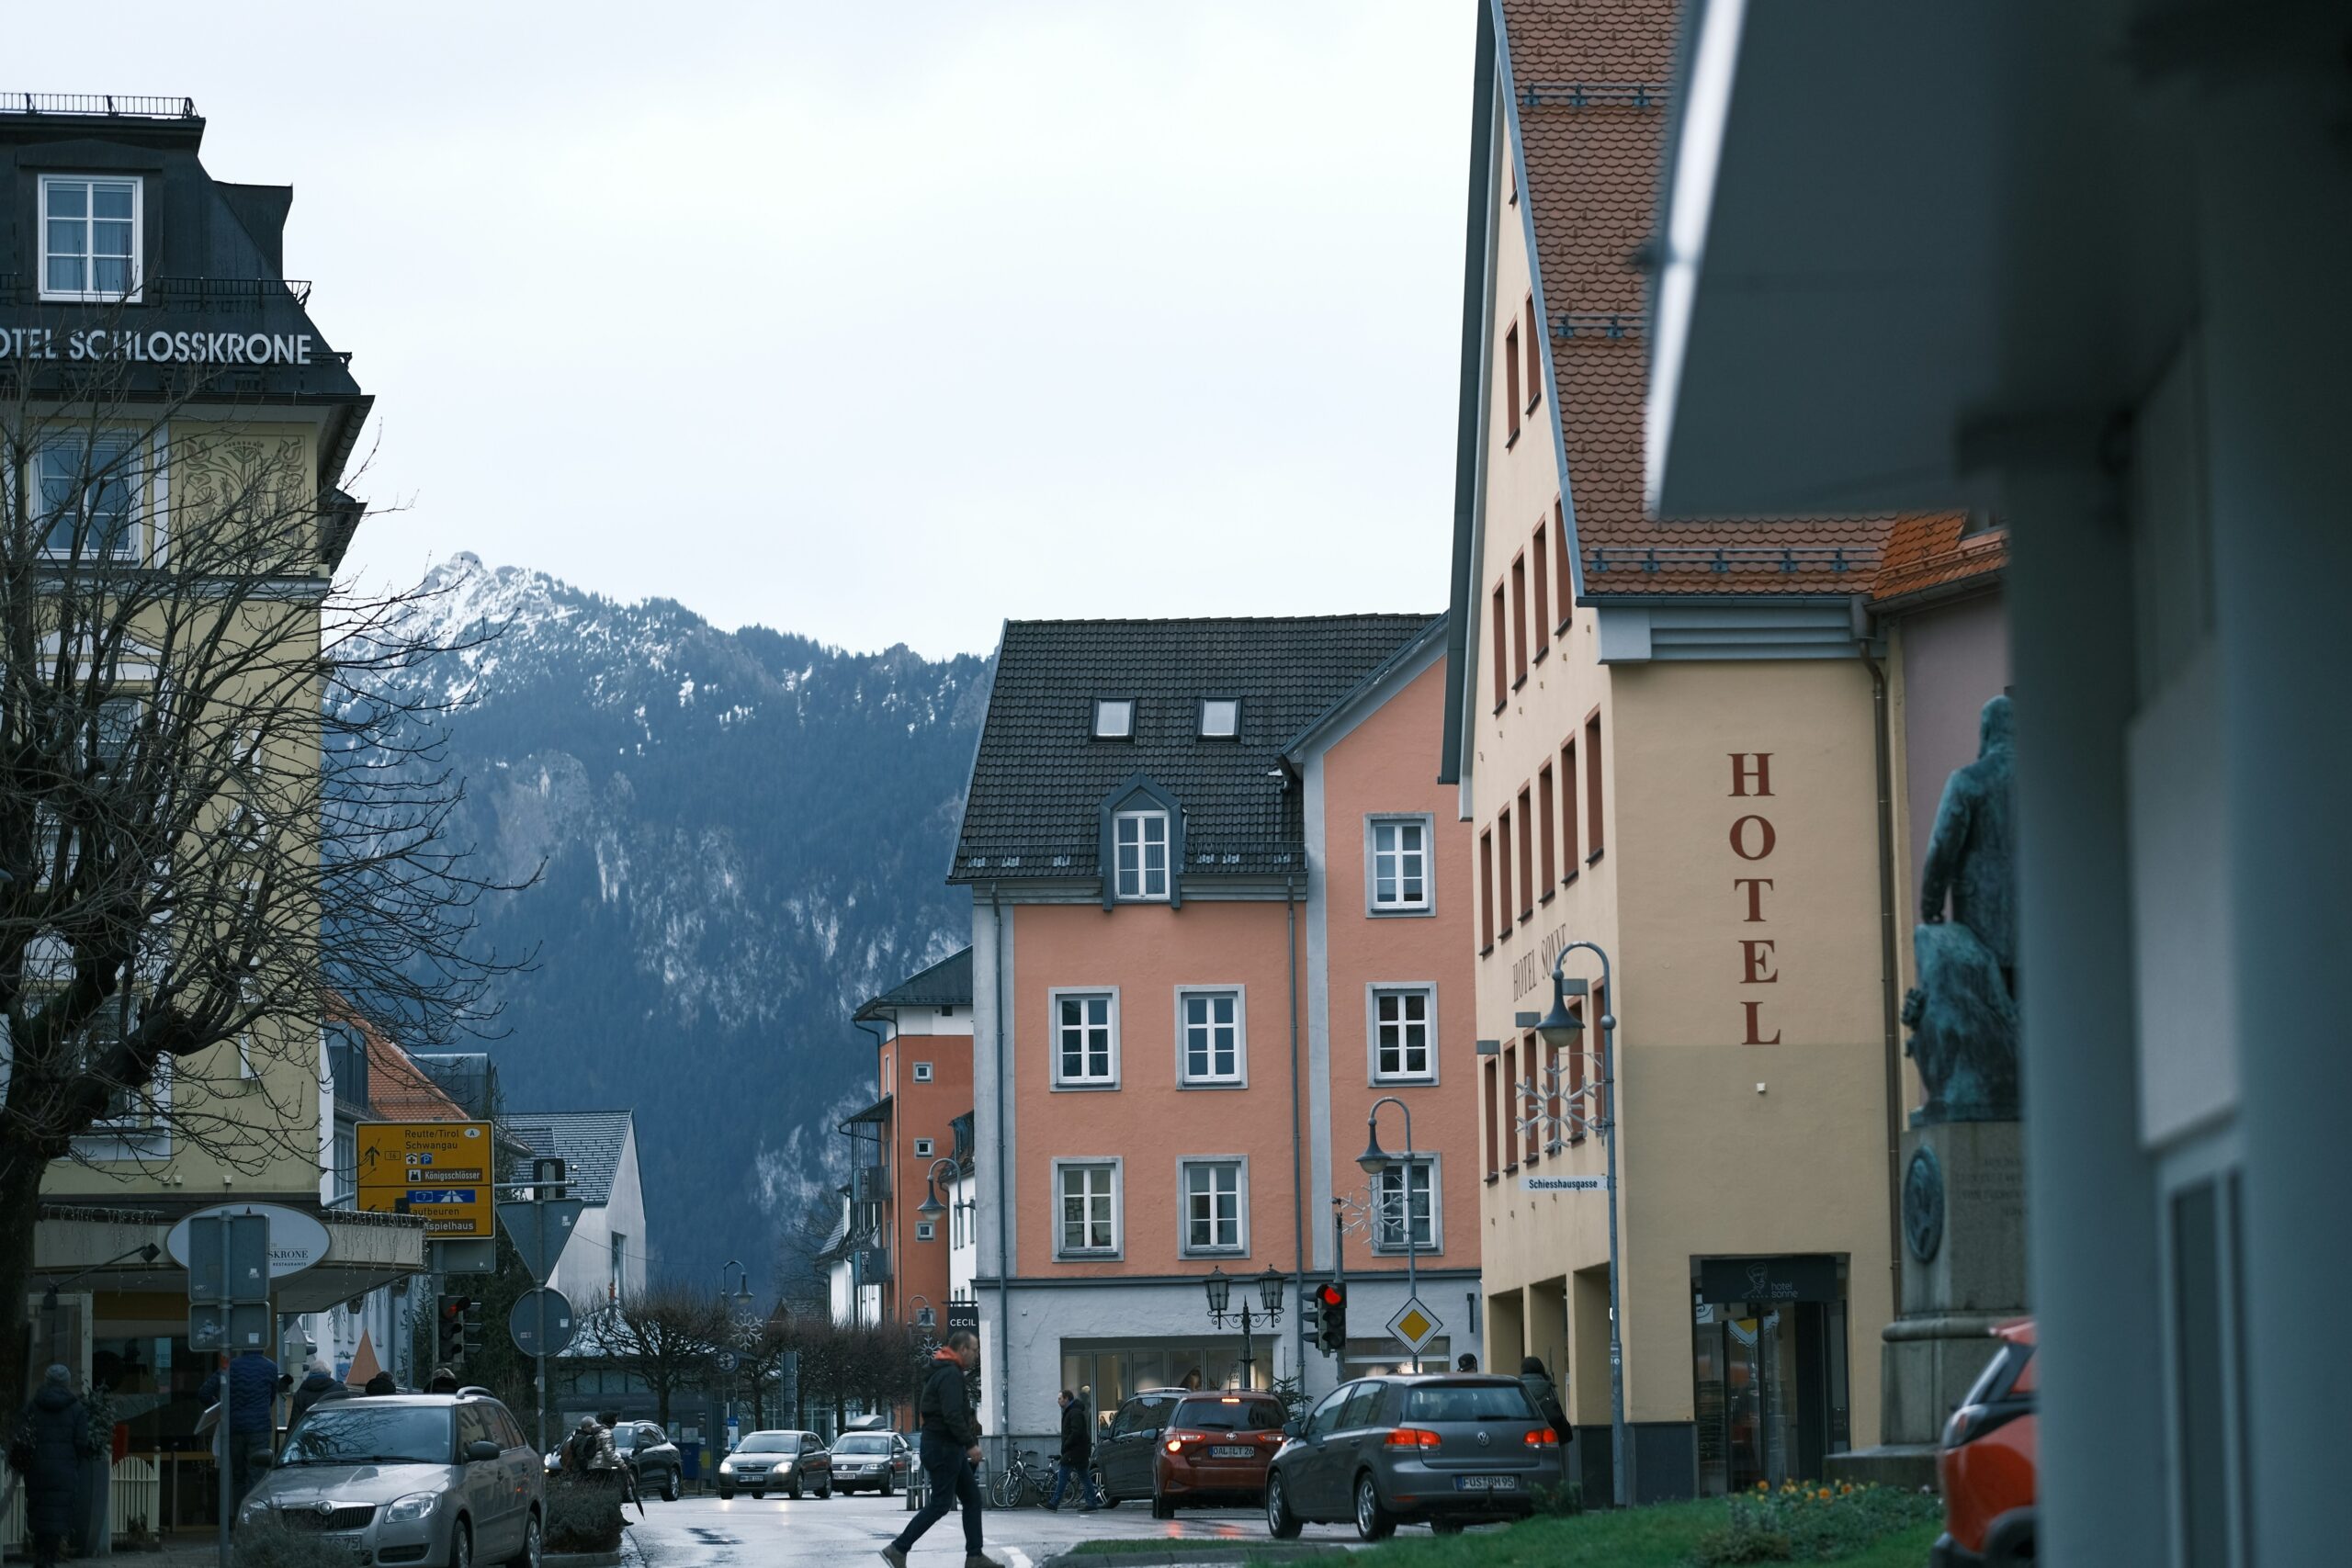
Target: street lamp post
{"points": [[1270, 1298], [1373, 1162], [1560, 1029], [742, 1295]]}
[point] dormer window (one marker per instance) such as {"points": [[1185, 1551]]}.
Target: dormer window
{"points": [[1141, 841], [89, 239], [1220, 718], [1114, 719]]}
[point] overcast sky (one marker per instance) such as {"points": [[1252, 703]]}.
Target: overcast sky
{"points": [[877, 322]]}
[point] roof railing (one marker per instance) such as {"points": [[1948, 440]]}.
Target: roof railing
{"points": [[1590, 94], [1787, 559], [119, 106], [1569, 325], [181, 293]]}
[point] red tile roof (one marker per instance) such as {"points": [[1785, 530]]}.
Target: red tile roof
{"points": [[1588, 83], [397, 1090], [1922, 553]]}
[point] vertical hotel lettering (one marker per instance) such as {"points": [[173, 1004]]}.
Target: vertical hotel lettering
{"points": [[1752, 839]]}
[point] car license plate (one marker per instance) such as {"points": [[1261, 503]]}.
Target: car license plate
{"points": [[1232, 1450], [1485, 1483]]}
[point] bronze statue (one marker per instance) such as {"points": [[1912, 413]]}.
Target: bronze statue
{"points": [[1962, 1013]]}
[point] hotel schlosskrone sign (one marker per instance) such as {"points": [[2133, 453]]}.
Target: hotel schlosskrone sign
{"points": [[91, 345], [1755, 960]]}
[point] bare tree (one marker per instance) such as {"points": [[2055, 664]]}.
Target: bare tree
{"points": [[665, 1334], [218, 795]]}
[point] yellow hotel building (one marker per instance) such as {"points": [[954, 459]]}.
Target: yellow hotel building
{"points": [[1676, 742]]}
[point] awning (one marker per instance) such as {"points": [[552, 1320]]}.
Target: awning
{"points": [[86, 1247]]}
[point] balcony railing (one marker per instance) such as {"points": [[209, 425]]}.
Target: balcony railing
{"points": [[122, 105], [213, 296]]}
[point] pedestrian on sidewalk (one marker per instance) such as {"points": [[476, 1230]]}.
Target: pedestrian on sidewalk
{"points": [[1078, 1447], [951, 1450], [1546, 1398], [51, 1446], [317, 1385], [247, 1397]]}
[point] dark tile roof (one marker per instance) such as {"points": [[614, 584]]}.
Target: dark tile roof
{"points": [[588, 1142], [1039, 778], [947, 984]]}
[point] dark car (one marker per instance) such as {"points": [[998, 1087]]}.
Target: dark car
{"points": [[796, 1463], [877, 1462], [649, 1453], [1452, 1450], [1214, 1449], [1122, 1458]]}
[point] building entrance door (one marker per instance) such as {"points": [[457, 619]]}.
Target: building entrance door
{"points": [[1769, 1371]]}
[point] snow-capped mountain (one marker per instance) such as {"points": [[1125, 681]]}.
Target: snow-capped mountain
{"points": [[744, 835]]}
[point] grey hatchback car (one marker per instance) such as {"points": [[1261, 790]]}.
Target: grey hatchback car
{"points": [[435, 1480], [1452, 1450]]}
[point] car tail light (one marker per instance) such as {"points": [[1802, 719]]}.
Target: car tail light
{"points": [[1414, 1437], [1542, 1438], [1176, 1440]]}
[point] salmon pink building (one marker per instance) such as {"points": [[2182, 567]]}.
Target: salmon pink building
{"points": [[1221, 906]]}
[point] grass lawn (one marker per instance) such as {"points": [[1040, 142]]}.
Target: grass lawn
{"points": [[1658, 1537]]}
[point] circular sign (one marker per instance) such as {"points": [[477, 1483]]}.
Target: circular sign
{"points": [[1923, 1204], [297, 1240], [728, 1361], [540, 1323]]}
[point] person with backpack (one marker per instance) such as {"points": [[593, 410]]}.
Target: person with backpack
{"points": [[1546, 1398], [950, 1451], [51, 1446], [588, 1449]]}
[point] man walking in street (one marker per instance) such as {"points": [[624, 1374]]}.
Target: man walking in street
{"points": [[248, 1397], [951, 1449], [1078, 1447]]}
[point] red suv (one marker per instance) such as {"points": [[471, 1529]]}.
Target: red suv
{"points": [[1986, 1463], [1214, 1449]]}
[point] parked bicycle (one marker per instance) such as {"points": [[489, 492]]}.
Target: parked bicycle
{"points": [[1022, 1482]]}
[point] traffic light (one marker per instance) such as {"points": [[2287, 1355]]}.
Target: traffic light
{"points": [[1331, 1316], [449, 1330], [470, 1334]]}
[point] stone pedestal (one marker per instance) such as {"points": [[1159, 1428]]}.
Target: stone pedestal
{"points": [[1964, 1272]]}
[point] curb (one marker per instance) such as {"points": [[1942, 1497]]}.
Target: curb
{"points": [[1208, 1549]]}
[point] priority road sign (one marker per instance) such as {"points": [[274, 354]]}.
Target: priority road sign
{"points": [[441, 1171], [539, 1231], [1414, 1324]]}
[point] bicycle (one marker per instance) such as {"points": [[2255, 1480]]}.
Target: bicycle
{"points": [[1022, 1482]]}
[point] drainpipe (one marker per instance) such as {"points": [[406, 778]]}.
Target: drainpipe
{"points": [[1297, 1174], [1003, 1265], [1890, 1004]]}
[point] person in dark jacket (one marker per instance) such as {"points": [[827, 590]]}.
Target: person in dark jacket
{"points": [[1544, 1397], [251, 1393], [59, 1430], [317, 1385], [381, 1383], [950, 1451], [1078, 1447]]}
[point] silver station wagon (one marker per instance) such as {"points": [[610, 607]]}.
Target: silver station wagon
{"points": [[437, 1480]]}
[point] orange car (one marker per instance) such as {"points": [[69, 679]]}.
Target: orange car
{"points": [[1986, 1462], [1214, 1450]]}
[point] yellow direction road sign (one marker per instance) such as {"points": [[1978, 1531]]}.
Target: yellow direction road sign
{"points": [[443, 1170]]}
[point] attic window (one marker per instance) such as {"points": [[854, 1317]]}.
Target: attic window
{"points": [[89, 239], [1114, 719], [1220, 718]]}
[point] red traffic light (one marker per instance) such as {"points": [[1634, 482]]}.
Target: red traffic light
{"points": [[1332, 1295]]}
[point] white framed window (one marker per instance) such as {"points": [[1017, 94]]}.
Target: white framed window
{"points": [[1086, 1039], [1220, 718], [1211, 1037], [1396, 865], [922, 1072], [90, 233], [1086, 1207], [1216, 1206], [86, 485], [1405, 1195], [1404, 1033], [1114, 719], [922, 1148], [1139, 840], [925, 1230]]}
